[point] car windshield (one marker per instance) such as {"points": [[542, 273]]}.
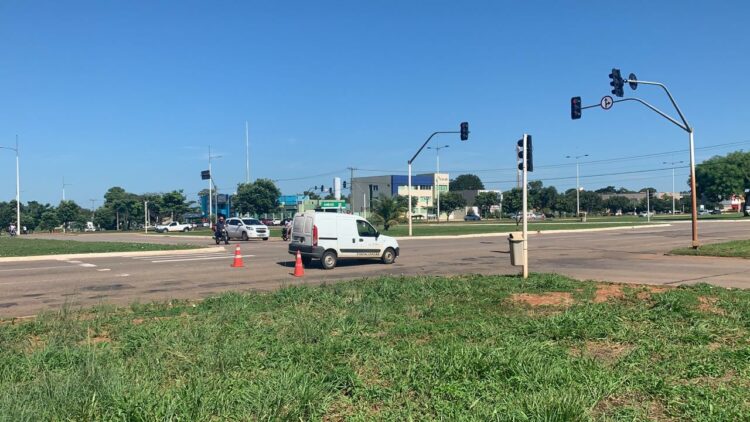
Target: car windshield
{"points": [[251, 222]]}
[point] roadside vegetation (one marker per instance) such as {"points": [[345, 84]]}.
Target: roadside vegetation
{"points": [[20, 246], [417, 348], [735, 249]]}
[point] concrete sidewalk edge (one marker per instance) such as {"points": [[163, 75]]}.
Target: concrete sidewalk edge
{"points": [[110, 254]]}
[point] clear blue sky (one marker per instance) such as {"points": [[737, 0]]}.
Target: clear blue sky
{"points": [[132, 93]]}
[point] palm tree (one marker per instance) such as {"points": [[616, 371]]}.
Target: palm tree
{"points": [[387, 211]]}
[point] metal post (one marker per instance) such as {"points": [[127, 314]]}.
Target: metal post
{"points": [[247, 153], [145, 216], [210, 187], [408, 214], [18, 192], [437, 185], [673, 191], [648, 205], [693, 193], [578, 184], [525, 211]]}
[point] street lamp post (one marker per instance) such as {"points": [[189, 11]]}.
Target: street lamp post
{"points": [[672, 163], [578, 185], [63, 187], [18, 188], [210, 183], [437, 175]]}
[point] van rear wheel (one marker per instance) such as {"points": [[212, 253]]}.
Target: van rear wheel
{"points": [[389, 256], [328, 260]]}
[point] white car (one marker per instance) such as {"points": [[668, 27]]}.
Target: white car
{"points": [[276, 222], [246, 228], [329, 236]]}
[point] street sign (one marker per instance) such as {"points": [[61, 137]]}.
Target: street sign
{"points": [[607, 102], [633, 81], [205, 175], [332, 204]]}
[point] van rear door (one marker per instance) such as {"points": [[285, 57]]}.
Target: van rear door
{"points": [[302, 229]]}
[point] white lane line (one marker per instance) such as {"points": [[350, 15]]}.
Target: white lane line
{"points": [[123, 275], [104, 269], [85, 265], [199, 259], [36, 268], [72, 262], [150, 257]]}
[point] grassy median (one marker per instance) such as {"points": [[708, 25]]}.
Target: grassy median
{"points": [[472, 347], [734, 249], [20, 246]]}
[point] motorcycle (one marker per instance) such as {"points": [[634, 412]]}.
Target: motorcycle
{"points": [[221, 235], [286, 233]]}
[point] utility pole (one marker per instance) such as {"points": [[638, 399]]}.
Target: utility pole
{"points": [[63, 188], [145, 215], [525, 208]]}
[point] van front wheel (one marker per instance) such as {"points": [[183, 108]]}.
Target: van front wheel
{"points": [[328, 260], [389, 256]]}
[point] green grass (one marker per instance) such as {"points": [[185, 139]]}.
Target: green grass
{"points": [[735, 248], [504, 226], [388, 349], [20, 246]]}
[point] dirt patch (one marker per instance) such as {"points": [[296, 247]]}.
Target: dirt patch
{"points": [[544, 299], [608, 291], [708, 305], [93, 337], [654, 410], [646, 295], [603, 351], [713, 382], [35, 343]]}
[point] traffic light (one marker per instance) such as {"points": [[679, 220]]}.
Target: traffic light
{"points": [[617, 83], [330, 191], [575, 108], [322, 188], [464, 131], [529, 154], [344, 184]]}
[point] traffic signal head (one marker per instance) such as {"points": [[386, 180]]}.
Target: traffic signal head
{"points": [[322, 188], [529, 154], [464, 131], [330, 191], [344, 184], [616, 83], [575, 108]]}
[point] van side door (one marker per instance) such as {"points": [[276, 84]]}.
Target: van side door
{"points": [[367, 243]]}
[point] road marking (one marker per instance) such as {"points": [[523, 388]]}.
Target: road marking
{"points": [[36, 268], [157, 261], [85, 265], [150, 257], [104, 269]]}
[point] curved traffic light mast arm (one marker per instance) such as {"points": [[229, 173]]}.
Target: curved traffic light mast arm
{"points": [[427, 142], [686, 126], [659, 112]]}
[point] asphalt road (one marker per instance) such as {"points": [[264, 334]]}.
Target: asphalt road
{"points": [[624, 255]]}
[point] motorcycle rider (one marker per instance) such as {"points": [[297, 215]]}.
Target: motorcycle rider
{"points": [[287, 231], [219, 229]]}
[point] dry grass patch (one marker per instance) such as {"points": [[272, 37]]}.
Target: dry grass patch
{"points": [[563, 299], [708, 305], [653, 410]]}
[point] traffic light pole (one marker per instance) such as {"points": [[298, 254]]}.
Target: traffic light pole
{"points": [[684, 125], [408, 214], [689, 129], [525, 208]]}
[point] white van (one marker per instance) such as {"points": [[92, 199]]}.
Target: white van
{"points": [[332, 236]]}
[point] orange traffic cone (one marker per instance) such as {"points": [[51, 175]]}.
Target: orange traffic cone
{"points": [[299, 270], [237, 258]]}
